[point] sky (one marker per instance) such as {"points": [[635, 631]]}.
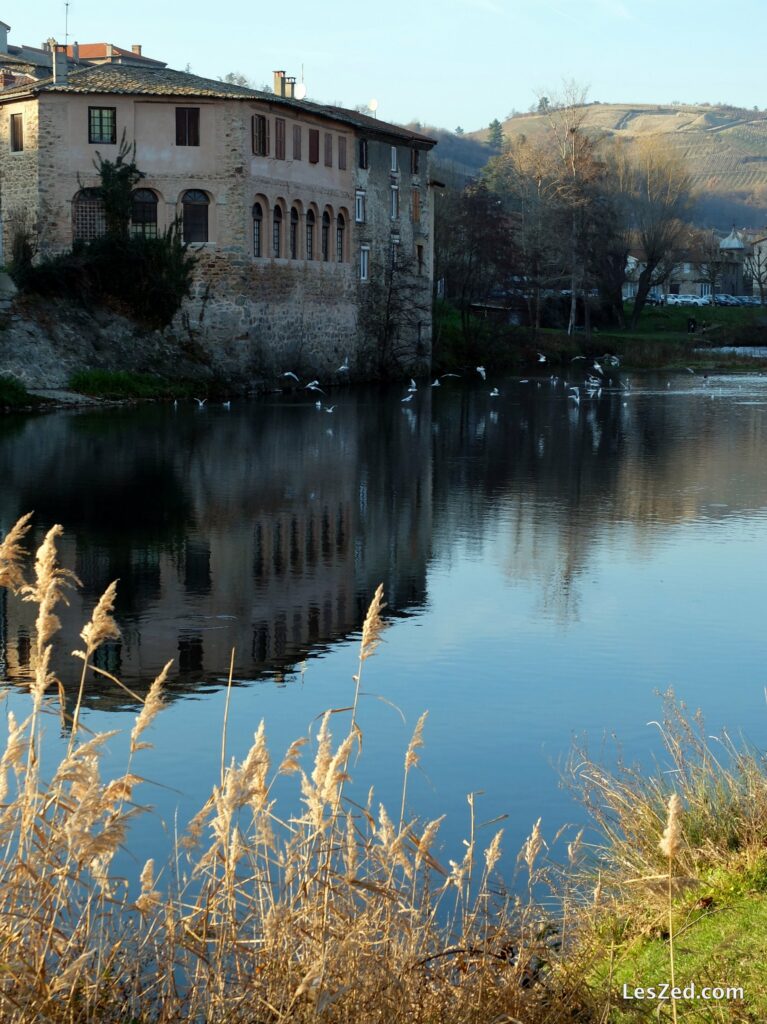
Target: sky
{"points": [[446, 63]]}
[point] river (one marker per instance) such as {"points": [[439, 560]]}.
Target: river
{"points": [[548, 568]]}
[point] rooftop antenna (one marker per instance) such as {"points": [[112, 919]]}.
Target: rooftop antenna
{"points": [[299, 92], [66, 24]]}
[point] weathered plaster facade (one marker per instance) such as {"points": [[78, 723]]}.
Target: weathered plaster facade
{"points": [[280, 273]]}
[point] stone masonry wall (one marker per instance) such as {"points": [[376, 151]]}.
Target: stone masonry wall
{"points": [[19, 180], [258, 318]]}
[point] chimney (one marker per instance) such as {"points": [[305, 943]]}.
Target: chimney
{"points": [[59, 63], [110, 51], [290, 88], [7, 78], [76, 52], [4, 30], [136, 48], [279, 83]]}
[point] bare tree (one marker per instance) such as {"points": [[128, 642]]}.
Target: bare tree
{"points": [[394, 311], [707, 257], [575, 150], [660, 198], [755, 264], [474, 247]]}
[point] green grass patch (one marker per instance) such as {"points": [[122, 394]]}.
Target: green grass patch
{"points": [[14, 395], [123, 385], [718, 942]]}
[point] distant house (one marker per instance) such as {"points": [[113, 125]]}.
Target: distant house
{"points": [[295, 208], [725, 262]]}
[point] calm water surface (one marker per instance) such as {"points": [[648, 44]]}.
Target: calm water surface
{"points": [[548, 568]]}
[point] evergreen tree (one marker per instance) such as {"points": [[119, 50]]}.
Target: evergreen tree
{"points": [[495, 137]]}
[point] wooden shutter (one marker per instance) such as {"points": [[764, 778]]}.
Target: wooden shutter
{"points": [[314, 146]]}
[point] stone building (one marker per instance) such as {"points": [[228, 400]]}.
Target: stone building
{"points": [[302, 216]]}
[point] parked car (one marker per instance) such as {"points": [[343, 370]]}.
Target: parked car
{"points": [[723, 299]]}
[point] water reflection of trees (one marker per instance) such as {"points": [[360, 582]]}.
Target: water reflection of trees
{"points": [[571, 479]]}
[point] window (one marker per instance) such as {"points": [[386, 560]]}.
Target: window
{"points": [[310, 221], [341, 153], [416, 206], [394, 202], [294, 234], [394, 252], [419, 258], [279, 138], [260, 130], [102, 125], [276, 232], [88, 220], [314, 146], [144, 214], [359, 206], [187, 126], [340, 229], [195, 219], [415, 161], [363, 154], [394, 164], [258, 223], [326, 236], [365, 263], [296, 141], [17, 133], [328, 149]]}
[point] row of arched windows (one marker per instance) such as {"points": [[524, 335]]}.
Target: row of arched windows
{"points": [[277, 232], [298, 235], [88, 219]]}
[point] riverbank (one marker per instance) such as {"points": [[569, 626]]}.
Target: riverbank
{"points": [[662, 341], [57, 350], [318, 908]]}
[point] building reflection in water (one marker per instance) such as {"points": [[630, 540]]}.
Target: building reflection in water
{"points": [[266, 529]]}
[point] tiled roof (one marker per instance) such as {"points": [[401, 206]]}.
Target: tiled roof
{"points": [[96, 51], [135, 80]]}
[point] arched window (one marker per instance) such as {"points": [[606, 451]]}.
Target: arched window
{"points": [[258, 219], [144, 213], [340, 227], [294, 234], [310, 222], [195, 205], [276, 232], [88, 220], [326, 236]]}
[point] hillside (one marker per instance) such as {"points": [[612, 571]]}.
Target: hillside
{"points": [[725, 149]]}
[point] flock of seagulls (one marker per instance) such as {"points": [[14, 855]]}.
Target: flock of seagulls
{"points": [[593, 382]]}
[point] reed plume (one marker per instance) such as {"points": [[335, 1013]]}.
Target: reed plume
{"points": [[12, 556]]}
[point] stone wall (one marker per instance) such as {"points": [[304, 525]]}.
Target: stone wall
{"points": [[259, 318], [19, 177]]}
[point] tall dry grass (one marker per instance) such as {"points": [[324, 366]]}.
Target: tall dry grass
{"points": [[324, 910]]}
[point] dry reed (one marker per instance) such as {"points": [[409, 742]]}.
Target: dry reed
{"points": [[326, 912]]}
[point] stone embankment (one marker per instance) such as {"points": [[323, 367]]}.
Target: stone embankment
{"points": [[43, 342]]}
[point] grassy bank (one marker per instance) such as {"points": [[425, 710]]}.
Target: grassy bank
{"points": [[325, 909], [122, 385], [14, 395], [660, 342]]}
